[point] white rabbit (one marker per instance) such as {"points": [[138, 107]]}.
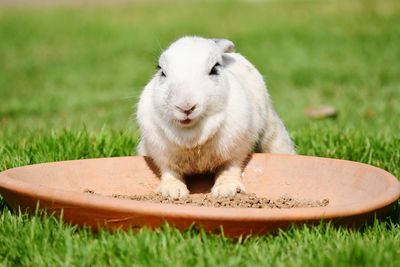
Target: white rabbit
{"points": [[206, 109]]}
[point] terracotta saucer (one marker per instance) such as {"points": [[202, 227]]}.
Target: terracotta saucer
{"points": [[356, 192]]}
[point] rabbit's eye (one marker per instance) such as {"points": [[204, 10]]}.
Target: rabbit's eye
{"points": [[162, 72], [214, 70]]}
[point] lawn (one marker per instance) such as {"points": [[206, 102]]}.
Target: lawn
{"points": [[70, 77]]}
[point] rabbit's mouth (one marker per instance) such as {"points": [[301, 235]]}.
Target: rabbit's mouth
{"points": [[185, 122]]}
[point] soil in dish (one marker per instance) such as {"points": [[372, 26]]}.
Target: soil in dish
{"points": [[241, 200]]}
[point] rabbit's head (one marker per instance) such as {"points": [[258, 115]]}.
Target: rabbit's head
{"points": [[191, 84]]}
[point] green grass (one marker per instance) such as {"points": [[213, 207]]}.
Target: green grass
{"points": [[70, 78]]}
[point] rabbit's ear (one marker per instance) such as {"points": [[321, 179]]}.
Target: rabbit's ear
{"points": [[226, 45]]}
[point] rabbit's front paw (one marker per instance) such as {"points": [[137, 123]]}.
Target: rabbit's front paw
{"points": [[227, 188], [175, 189]]}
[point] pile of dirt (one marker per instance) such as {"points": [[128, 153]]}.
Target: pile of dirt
{"points": [[239, 201]]}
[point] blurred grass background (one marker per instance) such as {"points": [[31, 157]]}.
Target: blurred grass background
{"points": [[71, 74], [73, 65]]}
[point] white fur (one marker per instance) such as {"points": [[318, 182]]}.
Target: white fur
{"points": [[232, 115]]}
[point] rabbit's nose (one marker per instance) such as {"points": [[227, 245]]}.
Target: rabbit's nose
{"points": [[185, 110]]}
